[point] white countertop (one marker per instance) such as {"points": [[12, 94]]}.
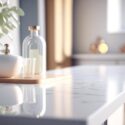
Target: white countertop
{"points": [[88, 97]]}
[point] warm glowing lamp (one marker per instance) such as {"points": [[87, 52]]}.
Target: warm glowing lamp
{"points": [[103, 47]]}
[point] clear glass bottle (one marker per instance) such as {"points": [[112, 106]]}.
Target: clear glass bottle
{"points": [[34, 46]]}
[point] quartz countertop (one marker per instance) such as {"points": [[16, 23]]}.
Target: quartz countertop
{"points": [[88, 97]]}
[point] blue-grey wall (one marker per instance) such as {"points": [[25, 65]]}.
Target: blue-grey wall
{"points": [[30, 8]]}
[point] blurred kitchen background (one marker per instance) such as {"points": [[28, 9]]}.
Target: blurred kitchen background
{"points": [[77, 31]]}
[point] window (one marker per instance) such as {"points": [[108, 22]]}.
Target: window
{"points": [[115, 16]]}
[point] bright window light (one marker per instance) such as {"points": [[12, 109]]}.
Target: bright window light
{"points": [[114, 22]]}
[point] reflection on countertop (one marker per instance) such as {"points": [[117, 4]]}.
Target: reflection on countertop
{"points": [[22, 100], [90, 91]]}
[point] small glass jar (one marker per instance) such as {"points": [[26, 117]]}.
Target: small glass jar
{"points": [[34, 46]]}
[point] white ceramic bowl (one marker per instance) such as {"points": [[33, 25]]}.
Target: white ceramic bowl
{"points": [[10, 65]]}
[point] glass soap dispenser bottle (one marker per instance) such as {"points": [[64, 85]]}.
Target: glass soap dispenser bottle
{"points": [[34, 46]]}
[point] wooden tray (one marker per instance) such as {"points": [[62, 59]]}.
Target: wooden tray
{"points": [[34, 80]]}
